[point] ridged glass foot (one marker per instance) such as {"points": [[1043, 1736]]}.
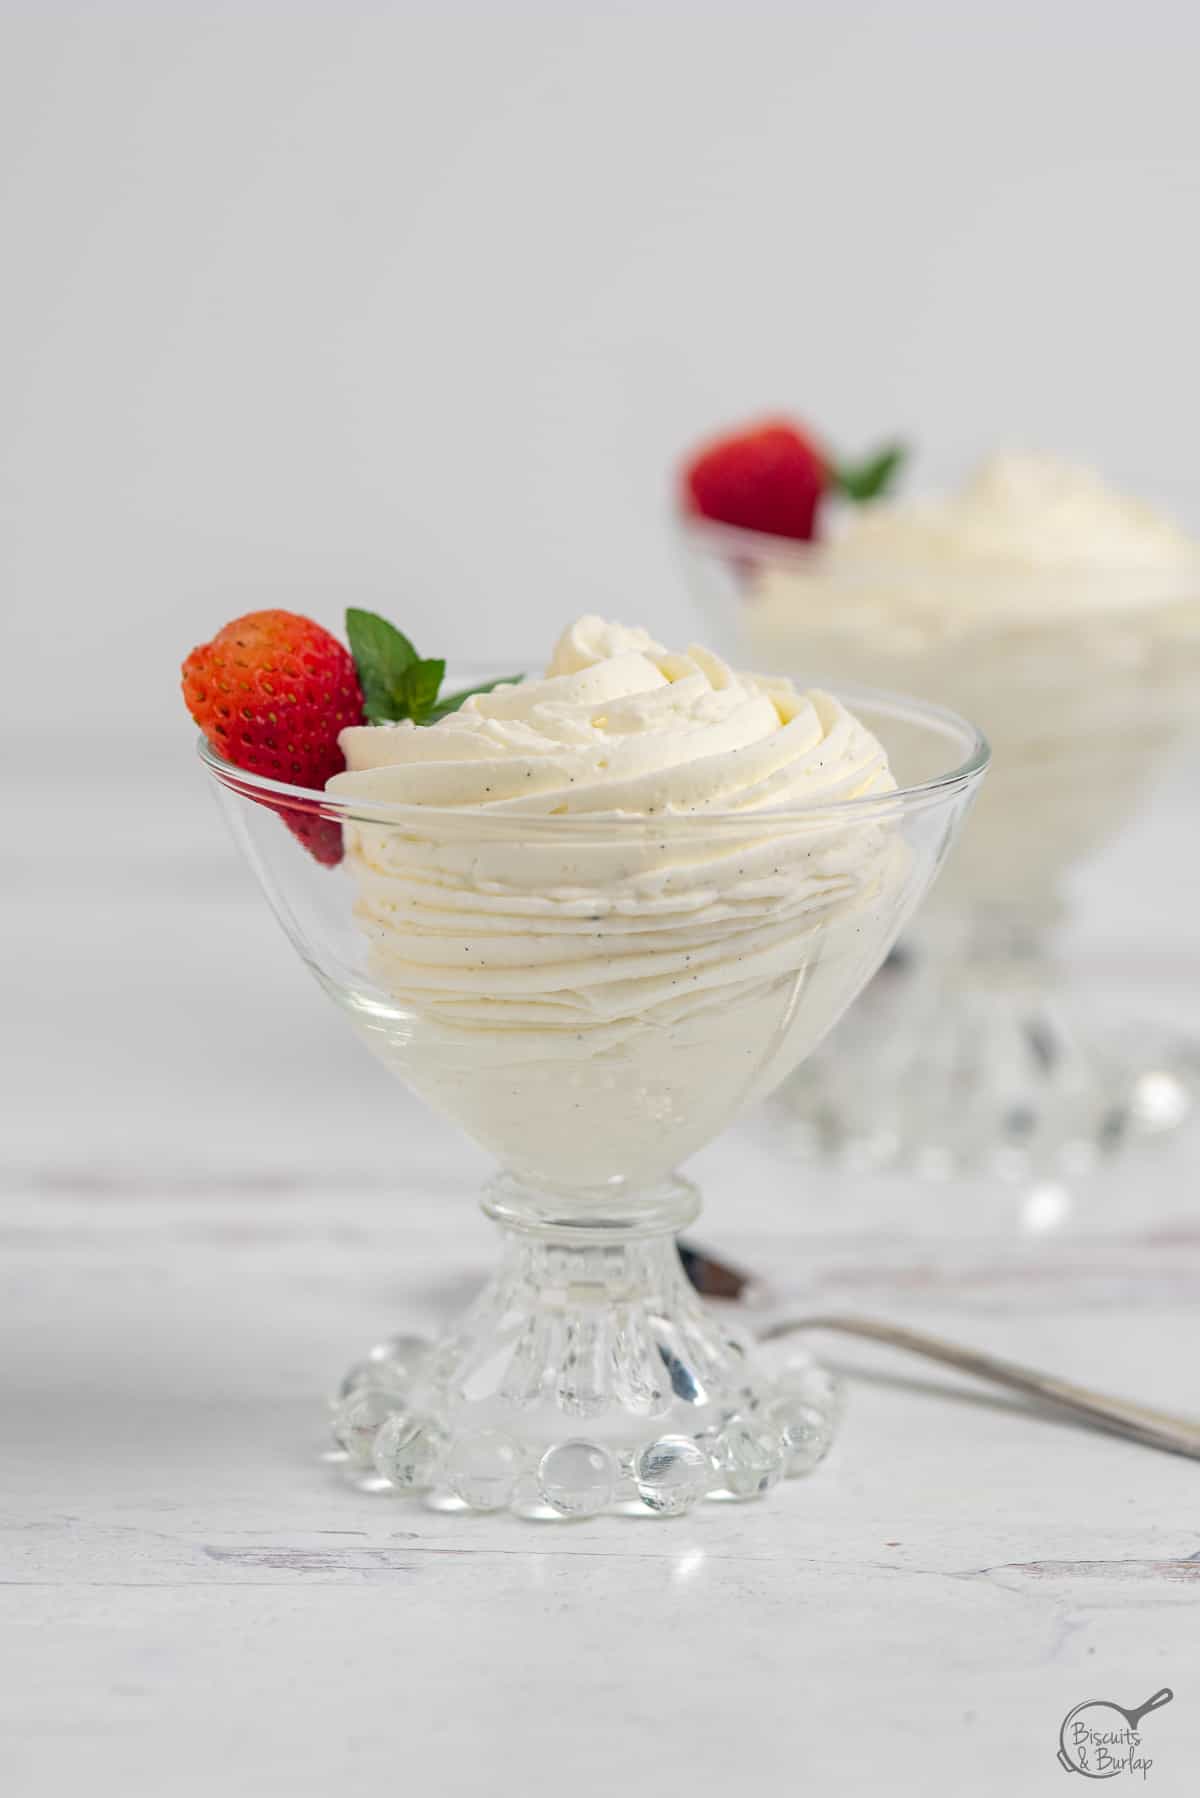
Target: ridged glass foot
{"points": [[587, 1376], [988, 1064]]}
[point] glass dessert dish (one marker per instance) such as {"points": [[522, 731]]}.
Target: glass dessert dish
{"points": [[592, 994], [971, 1051]]}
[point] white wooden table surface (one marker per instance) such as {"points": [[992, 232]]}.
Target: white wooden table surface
{"points": [[214, 1200]]}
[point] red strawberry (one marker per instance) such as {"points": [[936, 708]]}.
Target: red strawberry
{"points": [[271, 692], [769, 477]]}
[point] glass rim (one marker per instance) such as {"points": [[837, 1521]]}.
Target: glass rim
{"points": [[941, 719], [733, 540]]}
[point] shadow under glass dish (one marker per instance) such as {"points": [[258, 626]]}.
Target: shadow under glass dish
{"points": [[592, 997], [976, 1051]]}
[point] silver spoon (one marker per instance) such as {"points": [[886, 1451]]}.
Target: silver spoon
{"points": [[1156, 1429]]}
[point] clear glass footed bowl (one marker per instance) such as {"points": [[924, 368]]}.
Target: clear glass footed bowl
{"points": [[1082, 679], [592, 997]]}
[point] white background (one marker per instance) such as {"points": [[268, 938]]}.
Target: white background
{"points": [[413, 306]]}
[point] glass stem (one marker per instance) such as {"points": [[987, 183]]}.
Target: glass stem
{"points": [[613, 1213]]}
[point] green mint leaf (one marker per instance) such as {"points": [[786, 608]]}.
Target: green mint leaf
{"points": [[452, 701], [383, 657], [396, 682], [421, 684], [869, 479], [382, 711]]}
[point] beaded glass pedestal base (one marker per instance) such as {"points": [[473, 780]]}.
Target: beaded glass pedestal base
{"points": [[973, 1052], [587, 1375]]}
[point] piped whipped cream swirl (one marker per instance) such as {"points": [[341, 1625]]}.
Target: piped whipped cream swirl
{"points": [[620, 724], [610, 987]]}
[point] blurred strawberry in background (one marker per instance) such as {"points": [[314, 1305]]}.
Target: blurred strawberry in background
{"points": [[771, 476]]}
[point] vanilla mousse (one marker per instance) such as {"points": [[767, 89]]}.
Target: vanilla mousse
{"points": [[607, 906]]}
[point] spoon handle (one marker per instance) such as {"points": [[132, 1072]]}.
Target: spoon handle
{"points": [[1157, 1429]]}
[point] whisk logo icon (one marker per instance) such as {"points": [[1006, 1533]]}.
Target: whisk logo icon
{"points": [[1100, 1739]]}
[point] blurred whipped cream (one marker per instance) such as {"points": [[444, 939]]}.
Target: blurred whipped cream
{"points": [[600, 916], [1027, 537], [1022, 510], [1052, 610]]}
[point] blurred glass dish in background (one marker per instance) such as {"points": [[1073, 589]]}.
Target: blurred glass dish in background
{"points": [[1066, 618], [589, 918]]}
